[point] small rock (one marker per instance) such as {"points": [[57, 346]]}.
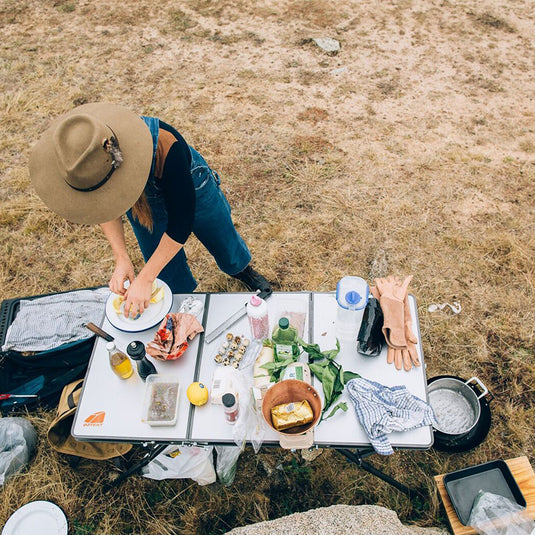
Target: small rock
{"points": [[327, 44], [339, 70]]}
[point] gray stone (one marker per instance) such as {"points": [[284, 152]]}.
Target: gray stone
{"points": [[332, 46], [338, 520]]}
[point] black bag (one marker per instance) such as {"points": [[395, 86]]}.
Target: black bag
{"points": [[370, 340], [43, 373]]}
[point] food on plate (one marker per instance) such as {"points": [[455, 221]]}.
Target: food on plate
{"points": [[157, 295], [288, 415]]}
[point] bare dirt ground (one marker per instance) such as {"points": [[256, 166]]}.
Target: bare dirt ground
{"points": [[412, 150]]}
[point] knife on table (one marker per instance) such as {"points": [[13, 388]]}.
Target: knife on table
{"points": [[99, 331], [231, 320]]}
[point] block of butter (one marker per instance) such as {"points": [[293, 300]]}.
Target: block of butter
{"points": [[292, 414]]}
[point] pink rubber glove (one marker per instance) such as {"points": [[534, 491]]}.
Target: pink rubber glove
{"points": [[404, 355], [393, 292]]}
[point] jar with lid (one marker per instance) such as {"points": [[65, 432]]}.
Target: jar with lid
{"points": [[230, 407], [119, 362]]}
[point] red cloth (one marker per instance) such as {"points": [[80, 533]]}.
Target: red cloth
{"points": [[171, 338]]}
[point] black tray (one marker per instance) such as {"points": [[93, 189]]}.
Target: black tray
{"points": [[462, 486]]}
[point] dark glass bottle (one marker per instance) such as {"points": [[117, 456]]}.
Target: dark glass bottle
{"points": [[136, 351]]}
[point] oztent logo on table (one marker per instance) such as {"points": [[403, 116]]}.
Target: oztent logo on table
{"points": [[95, 419]]}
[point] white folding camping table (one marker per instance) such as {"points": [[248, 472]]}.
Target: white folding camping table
{"points": [[121, 401]]}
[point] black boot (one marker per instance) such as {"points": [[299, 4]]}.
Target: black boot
{"points": [[252, 279]]}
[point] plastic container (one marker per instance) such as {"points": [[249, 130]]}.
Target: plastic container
{"points": [[295, 310], [160, 406], [257, 313], [352, 296], [284, 337]]}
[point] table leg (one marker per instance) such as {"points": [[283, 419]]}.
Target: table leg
{"points": [[357, 458], [155, 450]]}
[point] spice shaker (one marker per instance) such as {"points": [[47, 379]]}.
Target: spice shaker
{"points": [[230, 407]]}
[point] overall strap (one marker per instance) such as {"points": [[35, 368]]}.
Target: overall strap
{"points": [[154, 126]]}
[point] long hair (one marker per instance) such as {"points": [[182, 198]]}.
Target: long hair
{"points": [[142, 212]]}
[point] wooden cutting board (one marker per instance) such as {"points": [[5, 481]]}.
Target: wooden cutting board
{"points": [[524, 476]]}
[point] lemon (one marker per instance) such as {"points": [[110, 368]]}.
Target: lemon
{"points": [[117, 302], [197, 393], [157, 295]]}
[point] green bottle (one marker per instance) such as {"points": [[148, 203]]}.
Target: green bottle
{"points": [[284, 337]]}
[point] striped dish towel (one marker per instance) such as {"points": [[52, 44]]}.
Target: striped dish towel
{"points": [[51, 321], [382, 410]]}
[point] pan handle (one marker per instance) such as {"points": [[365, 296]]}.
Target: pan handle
{"points": [[480, 384]]}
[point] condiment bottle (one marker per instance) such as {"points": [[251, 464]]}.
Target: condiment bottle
{"points": [[230, 407], [136, 350], [257, 313], [119, 362], [285, 337]]}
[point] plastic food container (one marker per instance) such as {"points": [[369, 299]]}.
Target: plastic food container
{"points": [[160, 406], [296, 310]]}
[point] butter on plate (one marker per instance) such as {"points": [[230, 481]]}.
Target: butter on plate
{"points": [[292, 414]]}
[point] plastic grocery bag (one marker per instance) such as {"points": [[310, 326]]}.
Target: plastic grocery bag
{"points": [[181, 462], [250, 424], [493, 514], [18, 439], [227, 463]]}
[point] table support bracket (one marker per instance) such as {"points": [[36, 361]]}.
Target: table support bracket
{"points": [[154, 451], [358, 456]]}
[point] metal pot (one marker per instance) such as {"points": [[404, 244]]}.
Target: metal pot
{"points": [[462, 409]]}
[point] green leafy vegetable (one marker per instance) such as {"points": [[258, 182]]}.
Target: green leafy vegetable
{"points": [[350, 375], [341, 406], [330, 373]]}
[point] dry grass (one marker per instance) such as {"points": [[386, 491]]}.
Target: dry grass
{"points": [[411, 151]]}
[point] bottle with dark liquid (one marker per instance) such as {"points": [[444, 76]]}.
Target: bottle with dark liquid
{"points": [[136, 350]]}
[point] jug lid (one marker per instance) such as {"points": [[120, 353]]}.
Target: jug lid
{"points": [[352, 293]]}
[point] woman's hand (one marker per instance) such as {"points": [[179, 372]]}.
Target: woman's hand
{"points": [[124, 271], [137, 297]]}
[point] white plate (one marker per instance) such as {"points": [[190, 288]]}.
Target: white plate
{"points": [[44, 518], [152, 316]]}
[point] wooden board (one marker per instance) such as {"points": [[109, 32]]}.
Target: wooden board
{"points": [[524, 476]]}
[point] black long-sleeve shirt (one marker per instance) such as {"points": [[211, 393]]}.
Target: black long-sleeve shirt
{"points": [[172, 172]]}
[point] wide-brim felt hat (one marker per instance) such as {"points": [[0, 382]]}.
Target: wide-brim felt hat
{"points": [[78, 174]]}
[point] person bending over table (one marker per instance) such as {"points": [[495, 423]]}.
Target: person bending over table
{"points": [[100, 161]]}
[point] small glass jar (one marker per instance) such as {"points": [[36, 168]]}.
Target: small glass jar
{"points": [[230, 407]]}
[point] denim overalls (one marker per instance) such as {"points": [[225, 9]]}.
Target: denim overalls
{"points": [[212, 223]]}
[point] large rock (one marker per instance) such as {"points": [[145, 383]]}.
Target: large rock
{"points": [[338, 520]]}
